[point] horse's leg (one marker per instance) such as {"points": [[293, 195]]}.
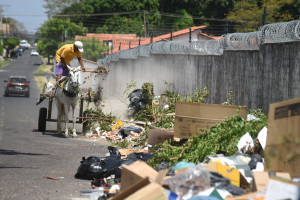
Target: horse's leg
{"points": [[58, 105], [74, 119], [66, 110]]}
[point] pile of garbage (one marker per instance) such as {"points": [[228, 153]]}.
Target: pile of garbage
{"points": [[239, 176], [224, 159]]}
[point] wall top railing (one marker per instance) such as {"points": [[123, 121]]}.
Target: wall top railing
{"points": [[270, 33]]}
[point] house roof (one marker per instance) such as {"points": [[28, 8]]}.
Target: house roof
{"points": [[177, 33], [127, 41]]}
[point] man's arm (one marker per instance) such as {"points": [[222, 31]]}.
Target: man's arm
{"points": [[81, 63]]}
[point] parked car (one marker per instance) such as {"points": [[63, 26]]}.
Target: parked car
{"points": [[18, 85], [14, 54], [21, 49], [18, 52], [34, 52]]}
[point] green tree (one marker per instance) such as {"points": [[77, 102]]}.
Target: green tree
{"points": [[184, 22], [11, 42], [47, 48], [248, 14], [54, 31], [54, 7], [127, 16], [93, 49]]}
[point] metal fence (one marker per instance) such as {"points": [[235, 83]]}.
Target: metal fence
{"points": [[271, 33]]}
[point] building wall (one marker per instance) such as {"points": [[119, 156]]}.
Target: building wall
{"points": [[256, 78]]}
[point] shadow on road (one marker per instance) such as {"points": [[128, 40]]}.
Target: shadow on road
{"points": [[55, 134], [12, 152]]}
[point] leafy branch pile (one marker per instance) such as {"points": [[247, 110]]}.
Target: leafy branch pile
{"points": [[98, 116], [157, 113], [221, 138]]}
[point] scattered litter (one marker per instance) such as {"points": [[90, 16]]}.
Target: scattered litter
{"points": [[245, 143], [190, 182], [262, 137], [251, 117], [53, 178]]}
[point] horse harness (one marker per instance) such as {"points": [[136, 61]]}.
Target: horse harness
{"points": [[69, 93]]}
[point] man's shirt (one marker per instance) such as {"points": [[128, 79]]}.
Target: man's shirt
{"points": [[67, 52]]}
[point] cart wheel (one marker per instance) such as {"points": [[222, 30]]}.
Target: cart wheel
{"points": [[42, 119]]}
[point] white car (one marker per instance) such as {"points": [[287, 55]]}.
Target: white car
{"points": [[34, 52], [24, 44]]}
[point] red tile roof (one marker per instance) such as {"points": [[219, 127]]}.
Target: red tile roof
{"points": [[127, 41]]}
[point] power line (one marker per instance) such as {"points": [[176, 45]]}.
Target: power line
{"points": [[152, 13]]}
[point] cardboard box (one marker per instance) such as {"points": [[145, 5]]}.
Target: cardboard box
{"points": [[133, 187], [135, 172], [152, 191], [279, 188], [282, 153], [261, 179], [141, 190], [194, 118]]}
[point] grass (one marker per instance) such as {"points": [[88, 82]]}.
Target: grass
{"points": [[44, 68], [4, 63], [41, 80]]}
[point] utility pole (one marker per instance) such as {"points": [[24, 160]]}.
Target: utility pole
{"points": [[1, 21], [145, 29], [264, 16]]}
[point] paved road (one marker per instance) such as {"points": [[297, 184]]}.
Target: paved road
{"points": [[26, 155]]}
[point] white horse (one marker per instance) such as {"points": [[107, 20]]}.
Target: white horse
{"points": [[67, 97]]}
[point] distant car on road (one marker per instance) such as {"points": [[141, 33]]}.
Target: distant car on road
{"points": [[24, 44], [22, 49], [18, 52], [34, 52], [15, 53], [18, 85]]}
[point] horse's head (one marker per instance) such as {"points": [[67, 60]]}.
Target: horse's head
{"points": [[73, 77]]}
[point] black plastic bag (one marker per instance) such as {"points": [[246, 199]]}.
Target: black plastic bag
{"points": [[137, 100], [95, 168], [135, 96], [126, 130], [131, 158]]}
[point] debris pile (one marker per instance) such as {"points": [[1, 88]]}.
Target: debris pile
{"points": [[223, 152]]}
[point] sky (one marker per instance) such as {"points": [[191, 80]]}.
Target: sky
{"points": [[28, 12]]}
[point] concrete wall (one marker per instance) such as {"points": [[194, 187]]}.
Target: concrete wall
{"points": [[257, 78]]}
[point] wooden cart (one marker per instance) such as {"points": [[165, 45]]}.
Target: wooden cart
{"points": [[45, 114]]}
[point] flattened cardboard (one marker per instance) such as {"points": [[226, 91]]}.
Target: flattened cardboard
{"points": [[135, 172], [261, 179], [279, 188], [194, 118], [282, 153], [152, 191], [131, 189]]}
